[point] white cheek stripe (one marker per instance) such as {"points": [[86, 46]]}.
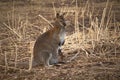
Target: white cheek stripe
{"points": [[62, 37]]}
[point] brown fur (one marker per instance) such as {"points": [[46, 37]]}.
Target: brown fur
{"points": [[46, 48]]}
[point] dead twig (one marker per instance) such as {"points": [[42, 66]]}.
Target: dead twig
{"points": [[46, 20], [13, 30], [14, 68], [72, 58], [6, 62]]}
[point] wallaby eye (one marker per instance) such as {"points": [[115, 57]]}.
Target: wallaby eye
{"points": [[63, 22]]}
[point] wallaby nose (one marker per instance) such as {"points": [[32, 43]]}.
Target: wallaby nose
{"points": [[64, 24]]}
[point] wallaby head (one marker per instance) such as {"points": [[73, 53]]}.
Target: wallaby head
{"points": [[47, 45], [59, 20]]}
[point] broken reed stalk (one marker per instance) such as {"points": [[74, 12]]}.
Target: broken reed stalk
{"points": [[46, 20], [97, 29], [14, 68], [109, 15], [86, 52], [6, 62], [75, 56], [30, 62], [77, 36], [54, 9], [114, 23], [13, 30], [23, 32], [16, 54], [83, 22], [0, 48], [102, 24], [83, 29], [13, 17], [31, 58]]}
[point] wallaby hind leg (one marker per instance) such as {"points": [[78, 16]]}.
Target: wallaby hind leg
{"points": [[47, 58], [53, 61]]}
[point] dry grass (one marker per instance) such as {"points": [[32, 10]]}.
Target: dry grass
{"points": [[92, 47]]}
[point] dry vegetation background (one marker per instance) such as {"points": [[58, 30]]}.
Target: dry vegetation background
{"points": [[92, 44]]}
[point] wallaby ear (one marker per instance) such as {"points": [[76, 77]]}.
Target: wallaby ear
{"points": [[57, 15]]}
